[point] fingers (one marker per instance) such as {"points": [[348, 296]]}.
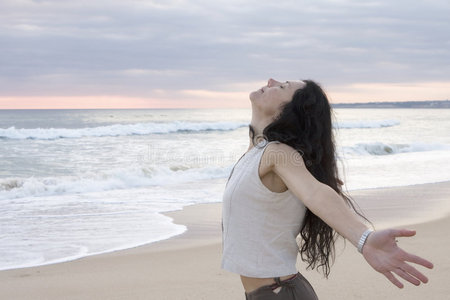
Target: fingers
{"points": [[402, 233], [419, 260], [392, 279], [408, 273], [406, 276], [413, 271]]}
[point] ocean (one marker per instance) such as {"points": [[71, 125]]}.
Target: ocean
{"points": [[75, 183]]}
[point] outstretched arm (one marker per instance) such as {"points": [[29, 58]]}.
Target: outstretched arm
{"points": [[380, 250]]}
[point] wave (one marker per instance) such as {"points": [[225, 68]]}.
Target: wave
{"points": [[120, 178], [117, 130], [378, 148], [366, 124], [153, 128]]}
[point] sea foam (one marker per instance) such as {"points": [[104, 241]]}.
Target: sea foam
{"points": [[366, 124], [117, 130], [380, 148], [153, 128], [120, 178]]}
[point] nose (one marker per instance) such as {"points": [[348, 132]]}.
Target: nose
{"points": [[272, 82]]}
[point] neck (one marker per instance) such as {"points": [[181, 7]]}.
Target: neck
{"points": [[258, 124]]}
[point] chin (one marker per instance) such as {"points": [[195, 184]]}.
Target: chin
{"points": [[253, 95]]}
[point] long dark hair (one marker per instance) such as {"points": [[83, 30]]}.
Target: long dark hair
{"points": [[305, 124]]}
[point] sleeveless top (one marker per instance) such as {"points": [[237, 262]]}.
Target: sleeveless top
{"points": [[259, 227]]}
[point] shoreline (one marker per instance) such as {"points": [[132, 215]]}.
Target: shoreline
{"points": [[188, 265], [437, 213]]}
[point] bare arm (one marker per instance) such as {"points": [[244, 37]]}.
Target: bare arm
{"points": [[320, 199], [380, 251]]}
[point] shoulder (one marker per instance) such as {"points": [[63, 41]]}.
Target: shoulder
{"points": [[281, 148], [280, 154]]}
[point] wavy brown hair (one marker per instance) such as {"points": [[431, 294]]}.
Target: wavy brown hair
{"points": [[305, 124]]}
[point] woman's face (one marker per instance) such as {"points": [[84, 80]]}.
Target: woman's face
{"points": [[270, 98]]}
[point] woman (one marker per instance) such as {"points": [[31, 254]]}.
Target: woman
{"points": [[287, 185]]}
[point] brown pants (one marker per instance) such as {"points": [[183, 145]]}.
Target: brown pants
{"points": [[296, 288]]}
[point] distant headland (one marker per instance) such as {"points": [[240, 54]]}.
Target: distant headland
{"points": [[404, 104]]}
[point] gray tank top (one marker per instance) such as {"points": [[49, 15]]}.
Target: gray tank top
{"points": [[259, 226]]}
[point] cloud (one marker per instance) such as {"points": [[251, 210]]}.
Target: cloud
{"points": [[132, 48]]}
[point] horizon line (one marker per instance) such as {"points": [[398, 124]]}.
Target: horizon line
{"points": [[171, 108]]}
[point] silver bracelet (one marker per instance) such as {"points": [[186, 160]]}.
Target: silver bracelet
{"points": [[363, 239]]}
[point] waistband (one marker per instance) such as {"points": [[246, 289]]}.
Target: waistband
{"points": [[286, 282], [289, 282]]}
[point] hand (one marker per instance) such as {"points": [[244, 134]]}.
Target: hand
{"points": [[383, 254]]}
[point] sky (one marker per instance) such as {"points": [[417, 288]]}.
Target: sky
{"points": [[213, 53]]}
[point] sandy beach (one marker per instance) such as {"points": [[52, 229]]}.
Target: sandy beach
{"points": [[188, 266]]}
